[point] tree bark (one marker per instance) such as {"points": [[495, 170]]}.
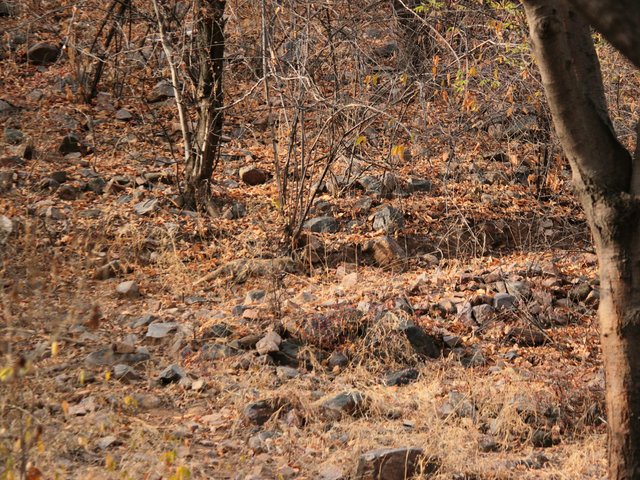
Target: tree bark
{"points": [[602, 172], [209, 97]]}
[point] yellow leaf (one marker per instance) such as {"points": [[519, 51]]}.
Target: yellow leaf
{"points": [[360, 140], [404, 78], [54, 349], [110, 462], [473, 71], [65, 407], [81, 377], [107, 375], [6, 373]]}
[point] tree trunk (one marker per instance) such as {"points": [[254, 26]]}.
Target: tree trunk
{"points": [[614, 225], [209, 96], [604, 174], [414, 42]]}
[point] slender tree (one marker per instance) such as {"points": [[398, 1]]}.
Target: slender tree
{"points": [[607, 181]]}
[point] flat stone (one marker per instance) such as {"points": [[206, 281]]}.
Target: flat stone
{"points": [[402, 377], [123, 115], [172, 374], [43, 53], [161, 329], [345, 403], [216, 351], [423, 343], [125, 373], [108, 356], [503, 300], [386, 251], [388, 219], [527, 337], [252, 175], [128, 289], [322, 225], [269, 343], [392, 464], [161, 91], [259, 412], [419, 185], [6, 227], [13, 136], [146, 206], [338, 359], [70, 144]]}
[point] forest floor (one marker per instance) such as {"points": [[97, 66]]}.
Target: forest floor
{"points": [[139, 340]]}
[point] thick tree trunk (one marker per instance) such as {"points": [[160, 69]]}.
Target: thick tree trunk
{"points": [[209, 97], [617, 237]]}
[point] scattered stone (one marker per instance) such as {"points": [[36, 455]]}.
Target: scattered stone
{"points": [[108, 441], [86, 405], [269, 343], [322, 225], [457, 404], [162, 91], [488, 444], [13, 136], [482, 313], [43, 53], [142, 321], [363, 205], [6, 227], [254, 296], [146, 206], [386, 251], [172, 374], [125, 373], [337, 359], [128, 289], [252, 175], [419, 185], [259, 412], [161, 329], [68, 192], [6, 9], [518, 289], [245, 343], [402, 377], [110, 356], [219, 330], [527, 337], [216, 351], [580, 292], [109, 270], [124, 115], [234, 211], [330, 472], [70, 144], [287, 372], [259, 442], [388, 219], [503, 301], [147, 401], [422, 343], [345, 403], [392, 464]]}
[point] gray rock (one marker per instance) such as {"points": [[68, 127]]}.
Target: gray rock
{"points": [[6, 227], [518, 288], [261, 411], [269, 343], [68, 192], [147, 401], [219, 330], [108, 441], [259, 442], [109, 270], [363, 205], [254, 296], [338, 359], [59, 176], [13, 136], [386, 251], [162, 91], [128, 289], [388, 219], [235, 211], [322, 225], [482, 313], [580, 292], [108, 356], [422, 343], [6, 9], [345, 403], [172, 374], [252, 175], [123, 115], [392, 464], [43, 53], [125, 373], [70, 144], [35, 95], [147, 206], [419, 185], [457, 404], [402, 377], [217, 351], [142, 321], [287, 372], [503, 300], [161, 329], [371, 185]]}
